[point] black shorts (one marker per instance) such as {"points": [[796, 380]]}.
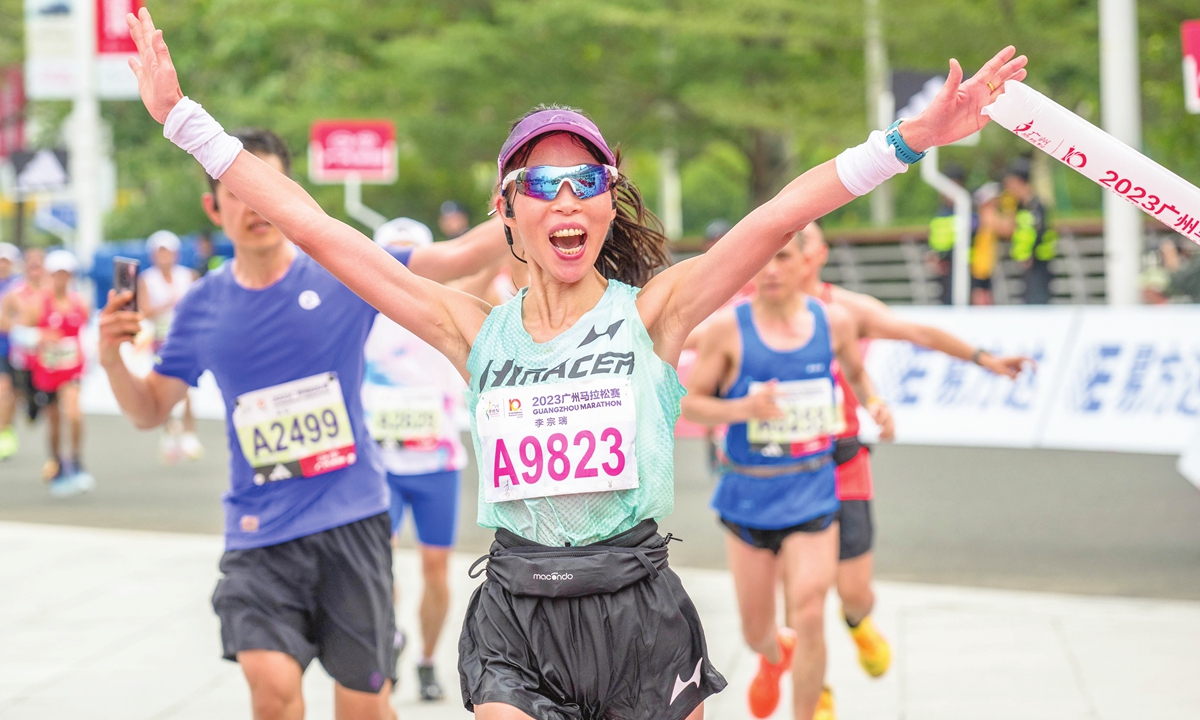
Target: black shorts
{"points": [[6, 367], [981, 283], [637, 653], [773, 539], [857, 531], [326, 595], [23, 385]]}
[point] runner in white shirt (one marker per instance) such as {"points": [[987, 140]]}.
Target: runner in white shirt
{"points": [[412, 397], [160, 288]]}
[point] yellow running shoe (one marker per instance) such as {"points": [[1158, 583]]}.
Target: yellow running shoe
{"points": [[8, 443], [824, 709], [874, 653]]}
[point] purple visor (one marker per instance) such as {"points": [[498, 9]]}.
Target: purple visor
{"points": [[547, 121]]}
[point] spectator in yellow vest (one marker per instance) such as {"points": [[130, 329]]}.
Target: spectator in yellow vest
{"points": [[1034, 243], [983, 244], [941, 239]]}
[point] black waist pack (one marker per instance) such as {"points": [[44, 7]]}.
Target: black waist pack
{"points": [[525, 568]]}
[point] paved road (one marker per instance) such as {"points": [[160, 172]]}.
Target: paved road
{"points": [[1097, 523], [117, 625]]}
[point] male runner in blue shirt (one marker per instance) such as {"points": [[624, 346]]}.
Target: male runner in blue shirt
{"points": [[307, 569]]}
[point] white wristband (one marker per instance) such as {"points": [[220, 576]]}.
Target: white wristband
{"points": [[190, 127], [861, 169]]}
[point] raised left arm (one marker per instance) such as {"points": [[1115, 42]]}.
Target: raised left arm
{"points": [[680, 297]]}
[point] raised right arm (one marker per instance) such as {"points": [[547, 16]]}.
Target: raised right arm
{"points": [[446, 319]]}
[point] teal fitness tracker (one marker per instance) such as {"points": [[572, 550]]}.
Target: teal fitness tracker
{"points": [[903, 152]]}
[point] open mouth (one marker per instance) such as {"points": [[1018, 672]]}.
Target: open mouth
{"points": [[569, 241], [261, 226]]}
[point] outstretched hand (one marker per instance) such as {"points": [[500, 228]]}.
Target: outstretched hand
{"points": [[157, 81], [956, 111], [1009, 366]]}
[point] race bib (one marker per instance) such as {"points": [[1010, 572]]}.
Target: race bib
{"points": [[299, 428], [408, 417], [60, 355], [560, 439], [808, 413]]}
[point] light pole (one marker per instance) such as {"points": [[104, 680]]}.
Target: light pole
{"points": [[84, 137], [1121, 117], [880, 104]]}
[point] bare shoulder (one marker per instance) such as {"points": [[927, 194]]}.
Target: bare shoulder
{"points": [[860, 306]]}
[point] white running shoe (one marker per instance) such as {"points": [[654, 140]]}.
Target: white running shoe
{"points": [[67, 486], [168, 449], [190, 446]]}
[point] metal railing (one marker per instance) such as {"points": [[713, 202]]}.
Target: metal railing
{"points": [[890, 264]]}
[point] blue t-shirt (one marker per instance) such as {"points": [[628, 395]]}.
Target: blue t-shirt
{"points": [[308, 329], [6, 284]]}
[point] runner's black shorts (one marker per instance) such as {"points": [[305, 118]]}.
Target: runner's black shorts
{"points": [[773, 539], [857, 532], [326, 596], [637, 654]]}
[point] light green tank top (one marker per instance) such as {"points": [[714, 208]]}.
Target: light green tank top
{"points": [[609, 345]]}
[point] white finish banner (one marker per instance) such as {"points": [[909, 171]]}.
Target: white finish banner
{"points": [[1082, 146]]}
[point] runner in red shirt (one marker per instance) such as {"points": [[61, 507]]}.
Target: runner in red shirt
{"points": [[873, 320], [56, 367]]}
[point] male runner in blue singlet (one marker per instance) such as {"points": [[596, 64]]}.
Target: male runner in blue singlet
{"points": [[766, 368]]}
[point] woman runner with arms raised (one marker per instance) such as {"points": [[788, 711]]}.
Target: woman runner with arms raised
{"points": [[572, 385]]}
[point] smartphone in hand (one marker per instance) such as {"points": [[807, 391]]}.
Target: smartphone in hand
{"points": [[125, 273]]}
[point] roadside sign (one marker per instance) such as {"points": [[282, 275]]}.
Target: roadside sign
{"points": [[114, 47], [41, 171], [51, 44], [1191, 65], [12, 110], [341, 150]]}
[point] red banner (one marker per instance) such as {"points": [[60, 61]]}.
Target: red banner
{"points": [[366, 149], [112, 34], [12, 110], [1191, 65]]}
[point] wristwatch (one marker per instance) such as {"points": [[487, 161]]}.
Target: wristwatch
{"points": [[903, 152]]}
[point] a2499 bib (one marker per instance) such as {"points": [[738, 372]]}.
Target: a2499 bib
{"points": [[296, 429], [560, 439]]}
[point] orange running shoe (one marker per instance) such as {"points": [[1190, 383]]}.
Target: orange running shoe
{"points": [[764, 688]]}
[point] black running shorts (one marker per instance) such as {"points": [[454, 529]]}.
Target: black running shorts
{"points": [[857, 529], [773, 539], [636, 654], [326, 596]]}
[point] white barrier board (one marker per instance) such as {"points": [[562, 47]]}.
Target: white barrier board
{"points": [[939, 400], [1133, 382]]}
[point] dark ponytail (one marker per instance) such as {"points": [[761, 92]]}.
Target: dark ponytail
{"points": [[636, 247]]}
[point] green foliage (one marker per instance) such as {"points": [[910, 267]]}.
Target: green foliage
{"points": [[750, 92]]}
